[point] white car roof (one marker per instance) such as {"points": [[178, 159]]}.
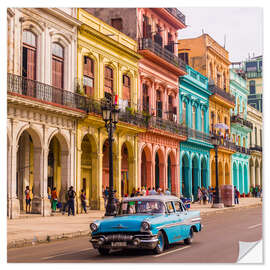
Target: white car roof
{"points": [[163, 198]]}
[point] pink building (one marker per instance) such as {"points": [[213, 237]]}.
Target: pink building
{"points": [[155, 29]]}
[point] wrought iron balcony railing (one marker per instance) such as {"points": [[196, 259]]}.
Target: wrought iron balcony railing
{"points": [[149, 44], [223, 142], [178, 14], [243, 150], [167, 125], [216, 90], [256, 148], [192, 133], [44, 92], [242, 121]]}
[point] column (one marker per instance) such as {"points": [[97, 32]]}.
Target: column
{"points": [[78, 182], [117, 158], [258, 175], [162, 177], [176, 173], [189, 173]]}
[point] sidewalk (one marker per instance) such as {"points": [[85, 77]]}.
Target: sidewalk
{"points": [[33, 229]]}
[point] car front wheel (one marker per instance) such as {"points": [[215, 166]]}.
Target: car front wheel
{"points": [[189, 240], [161, 243], [103, 251]]}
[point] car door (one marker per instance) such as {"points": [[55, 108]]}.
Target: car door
{"points": [[181, 218], [170, 226]]}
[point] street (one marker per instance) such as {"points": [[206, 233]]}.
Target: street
{"points": [[218, 242]]}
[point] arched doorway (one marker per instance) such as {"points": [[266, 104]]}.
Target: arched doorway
{"points": [[124, 170], [251, 172], [220, 174], [169, 173], [204, 173], [213, 173], [235, 180], [195, 177], [105, 164], [58, 166], [185, 176], [241, 185], [157, 175], [159, 170], [257, 172], [246, 185], [146, 172]]}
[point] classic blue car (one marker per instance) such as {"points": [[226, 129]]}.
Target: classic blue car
{"points": [[146, 222]]}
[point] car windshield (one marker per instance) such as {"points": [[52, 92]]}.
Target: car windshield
{"points": [[141, 207]]}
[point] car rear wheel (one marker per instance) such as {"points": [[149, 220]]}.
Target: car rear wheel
{"points": [[104, 251], [161, 243], [189, 240]]}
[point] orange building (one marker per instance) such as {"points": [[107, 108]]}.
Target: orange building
{"points": [[212, 60]]}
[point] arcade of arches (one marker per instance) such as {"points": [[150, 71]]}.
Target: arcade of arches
{"points": [[240, 176], [255, 170]]}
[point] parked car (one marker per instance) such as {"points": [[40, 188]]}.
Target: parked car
{"points": [[148, 222]]}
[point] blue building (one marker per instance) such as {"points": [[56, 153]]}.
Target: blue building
{"points": [[240, 129], [195, 152]]}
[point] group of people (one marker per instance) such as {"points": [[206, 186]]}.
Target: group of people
{"points": [[256, 191], [205, 195]]}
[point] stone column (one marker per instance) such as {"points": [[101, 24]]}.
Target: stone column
{"points": [[117, 162], [37, 203], [162, 177], [189, 173], [258, 176], [78, 182]]}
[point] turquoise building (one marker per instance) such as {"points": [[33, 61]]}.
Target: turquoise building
{"points": [[195, 152], [240, 129]]}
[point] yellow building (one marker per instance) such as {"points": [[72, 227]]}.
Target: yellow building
{"points": [[107, 62], [212, 60]]}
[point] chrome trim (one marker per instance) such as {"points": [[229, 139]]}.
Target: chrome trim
{"points": [[195, 219], [149, 241]]}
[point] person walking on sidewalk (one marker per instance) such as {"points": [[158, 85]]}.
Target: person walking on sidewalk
{"points": [[54, 199], [83, 202], [71, 196], [236, 195], [27, 199]]}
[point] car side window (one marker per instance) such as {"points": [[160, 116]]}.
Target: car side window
{"points": [[170, 207], [178, 207]]}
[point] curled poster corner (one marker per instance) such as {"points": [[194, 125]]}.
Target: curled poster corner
{"points": [[250, 252]]}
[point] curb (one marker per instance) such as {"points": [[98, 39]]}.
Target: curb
{"points": [[64, 236]]}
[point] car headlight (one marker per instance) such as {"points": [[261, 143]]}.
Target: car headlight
{"points": [[93, 227], [145, 226]]}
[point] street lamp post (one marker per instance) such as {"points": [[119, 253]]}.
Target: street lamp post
{"points": [[110, 116], [216, 202]]}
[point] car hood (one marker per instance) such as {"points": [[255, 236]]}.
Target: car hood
{"points": [[130, 223]]}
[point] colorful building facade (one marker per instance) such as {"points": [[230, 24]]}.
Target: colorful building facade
{"points": [[195, 152], [210, 59], [240, 129], [155, 30], [107, 65]]}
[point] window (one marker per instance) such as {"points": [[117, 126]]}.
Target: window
{"points": [[184, 112], [170, 207], [29, 55], [255, 136], [126, 88], [57, 66], [252, 87], [147, 31], [212, 121], [218, 80], [145, 98], [117, 23], [203, 121], [193, 117], [88, 76], [260, 137], [251, 66], [184, 57], [178, 206], [224, 82], [244, 141], [108, 82], [159, 104]]}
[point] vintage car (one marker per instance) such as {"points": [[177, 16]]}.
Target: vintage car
{"points": [[146, 222]]}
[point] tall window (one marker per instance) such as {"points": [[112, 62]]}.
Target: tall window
{"points": [[255, 136], [117, 23], [184, 57], [218, 80], [184, 112], [244, 141], [212, 121], [159, 104], [252, 87], [193, 117], [239, 140], [57, 66], [224, 81], [145, 98], [126, 88], [29, 55], [88, 76], [260, 137], [203, 121], [108, 82], [147, 31]]}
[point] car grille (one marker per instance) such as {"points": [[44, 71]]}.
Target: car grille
{"points": [[118, 237]]}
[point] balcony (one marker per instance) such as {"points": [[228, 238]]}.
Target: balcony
{"points": [[195, 134], [154, 47], [216, 90], [256, 148], [225, 143], [177, 14], [242, 121], [44, 92], [243, 150], [167, 125]]}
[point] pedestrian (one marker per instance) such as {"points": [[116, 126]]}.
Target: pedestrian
{"points": [[204, 195], [138, 192], [133, 193], [71, 196], [159, 191], [199, 194], [152, 191], [251, 190], [167, 192], [106, 196], [210, 195], [143, 191], [83, 201], [27, 199], [236, 195], [65, 204], [54, 199], [147, 191]]}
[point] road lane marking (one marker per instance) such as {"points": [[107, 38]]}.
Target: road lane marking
{"points": [[65, 253], [254, 226], [165, 253]]}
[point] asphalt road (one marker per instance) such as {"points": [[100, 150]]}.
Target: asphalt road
{"points": [[218, 242]]}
